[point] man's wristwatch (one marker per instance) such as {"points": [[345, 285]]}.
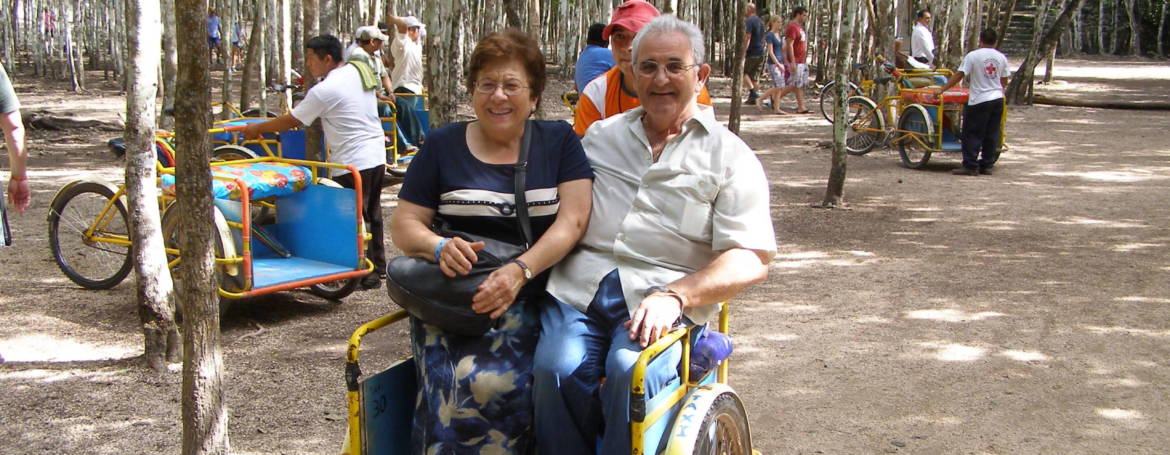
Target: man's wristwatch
{"points": [[524, 268], [682, 301]]}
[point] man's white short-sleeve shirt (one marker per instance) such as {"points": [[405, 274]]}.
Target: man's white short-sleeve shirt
{"points": [[983, 69], [922, 43], [407, 63], [659, 221], [349, 118]]}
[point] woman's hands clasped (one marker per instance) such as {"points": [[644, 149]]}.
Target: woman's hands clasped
{"points": [[496, 293]]}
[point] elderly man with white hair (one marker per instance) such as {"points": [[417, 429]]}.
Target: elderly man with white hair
{"points": [[680, 222]]}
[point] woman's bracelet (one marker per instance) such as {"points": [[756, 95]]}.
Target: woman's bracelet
{"points": [[17, 179], [439, 248]]}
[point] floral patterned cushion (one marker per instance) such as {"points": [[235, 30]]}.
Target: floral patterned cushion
{"points": [[263, 179]]}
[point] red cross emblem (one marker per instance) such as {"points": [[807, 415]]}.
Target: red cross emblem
{"points": [[989, 69]]}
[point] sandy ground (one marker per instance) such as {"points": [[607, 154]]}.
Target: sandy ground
{"points": [[1024, 312]]}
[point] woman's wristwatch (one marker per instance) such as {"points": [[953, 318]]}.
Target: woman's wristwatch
{"points": [[524, 268]]}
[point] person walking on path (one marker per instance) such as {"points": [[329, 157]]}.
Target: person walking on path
{"points": [[348, 113], [753, 42], [776, 68], [795, 55], [922, 42], [215, 54], [680, 222], [408, 73], [613, 92], [988, 71], [595, 60], [13, 126]]}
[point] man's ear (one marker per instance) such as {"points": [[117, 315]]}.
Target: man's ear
{"points": [[703, 73]]}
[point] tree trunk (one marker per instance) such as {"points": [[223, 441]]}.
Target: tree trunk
{"points": [[1100, 26], [1162, 28], [835, 190], [285, 46], [1114, 44], [153, 285], [254, 61], [74, 79], [1006, 20], [444, 62], [327, 16], [313, 133], [170, 65], [737, 68], [1019, 91], [1135, 45], [229, 15], [512, 13], [205, 417]]}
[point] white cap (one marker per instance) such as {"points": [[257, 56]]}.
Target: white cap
{"points": [[369, 32], [412, 21]]}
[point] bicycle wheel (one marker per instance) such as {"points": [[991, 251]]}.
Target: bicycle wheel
{"points": [[335, 290], [864, 125], [915, 134], [97, 261], [257, 113], [725, 428], [227, 276], [231, 152], [829, 98]]}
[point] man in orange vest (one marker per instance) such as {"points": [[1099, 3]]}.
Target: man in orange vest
{"points": [[613, 92]]}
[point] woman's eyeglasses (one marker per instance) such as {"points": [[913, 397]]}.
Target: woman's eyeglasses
{"points": [[488, 87]]}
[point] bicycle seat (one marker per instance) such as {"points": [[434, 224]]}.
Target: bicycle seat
{"points": [[263, 179]]}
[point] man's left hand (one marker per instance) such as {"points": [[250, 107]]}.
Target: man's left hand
{"points": [[654, 317]]}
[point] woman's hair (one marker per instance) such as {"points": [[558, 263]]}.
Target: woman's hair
{"points": [[510, 44], [775, 19], [667, 23]]}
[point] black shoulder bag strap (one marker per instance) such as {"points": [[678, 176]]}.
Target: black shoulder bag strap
{"points": [[521, 170]]}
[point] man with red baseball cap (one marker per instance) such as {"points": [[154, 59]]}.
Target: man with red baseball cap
{"points": [[613, 92]]}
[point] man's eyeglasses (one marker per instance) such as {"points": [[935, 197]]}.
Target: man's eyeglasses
{"points": [[488, 87], [649, 68]]}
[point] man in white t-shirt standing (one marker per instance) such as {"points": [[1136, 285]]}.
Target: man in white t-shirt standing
{"points": [[349, 118], [982, 116], [408, 72], [922, 42]]}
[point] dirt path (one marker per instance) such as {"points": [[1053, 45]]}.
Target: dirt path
{"points": [[1024, 312]]}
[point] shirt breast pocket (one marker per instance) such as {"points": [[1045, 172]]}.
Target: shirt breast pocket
{"points": [[692, 217]]}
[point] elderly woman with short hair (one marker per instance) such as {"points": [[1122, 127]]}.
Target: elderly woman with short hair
{"points": [[475, 392]]}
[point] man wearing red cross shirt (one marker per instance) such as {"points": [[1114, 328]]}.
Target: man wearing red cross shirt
{"points": [[988, 72]]}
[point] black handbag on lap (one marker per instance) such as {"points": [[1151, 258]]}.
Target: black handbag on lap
{"points": [[418, 286]]}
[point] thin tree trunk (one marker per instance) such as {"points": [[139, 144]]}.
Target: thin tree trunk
{"points": [[835, 190], [1019, 90], [153, 286], [69, 60], [229, 15], [313, 133], [1001, 32], [737, 68], [328, 17], [205, 416], [1114, 44], [1100, 26], [512, 13], [1162, 28], [285, 74], [170, 64], [255, 58], [1135, 44]]}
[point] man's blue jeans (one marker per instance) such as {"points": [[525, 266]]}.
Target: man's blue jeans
{"points": [[575, 350]]}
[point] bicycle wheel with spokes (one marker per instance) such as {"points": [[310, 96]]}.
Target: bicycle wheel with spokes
{"points": [[97, 259], [829, 98], [227, 276], [914, 136], [864, 125], [725, 428]]}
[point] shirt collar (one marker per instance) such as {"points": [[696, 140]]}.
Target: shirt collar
{"points": [[704, 116]]}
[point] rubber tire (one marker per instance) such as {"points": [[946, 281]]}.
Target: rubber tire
{"points": [[863, 112], [915, 118], [170, 220], [335, 290], [231, 152], [117, 257], [256, 112], [828, 98], [724, 429]]}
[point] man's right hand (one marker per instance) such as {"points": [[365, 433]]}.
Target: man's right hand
{"points": [[252, 131], [18, 194]]}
